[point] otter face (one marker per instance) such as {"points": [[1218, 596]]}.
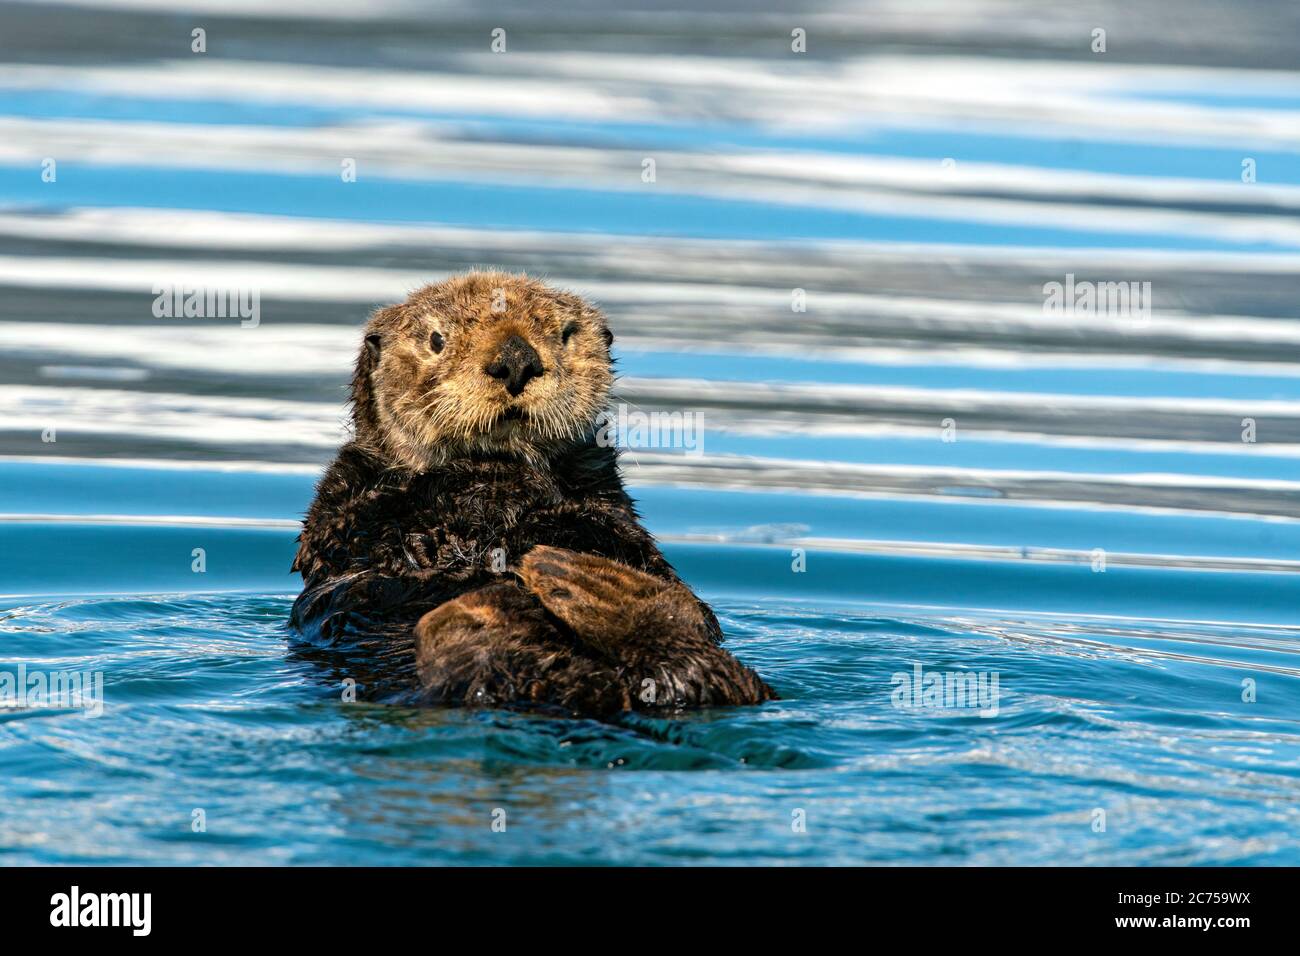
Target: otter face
{"points": [[485, 362]]}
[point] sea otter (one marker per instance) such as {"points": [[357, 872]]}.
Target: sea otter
{"points": [[473, 543]]}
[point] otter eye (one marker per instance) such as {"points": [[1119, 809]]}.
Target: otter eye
{"points": [[568, 332], [436, 342]]}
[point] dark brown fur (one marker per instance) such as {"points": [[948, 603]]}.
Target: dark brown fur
{"points": [[470, 546]]}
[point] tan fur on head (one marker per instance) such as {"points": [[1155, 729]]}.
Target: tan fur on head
{"points": [[418, 406]]}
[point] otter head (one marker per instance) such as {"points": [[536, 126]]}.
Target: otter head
{"points": [[481, 363]]}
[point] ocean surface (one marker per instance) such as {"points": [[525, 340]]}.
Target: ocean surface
{"points": [[1025, 576]]}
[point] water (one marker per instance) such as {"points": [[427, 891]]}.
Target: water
{"points": [[1140, 718], [1094, 529]]}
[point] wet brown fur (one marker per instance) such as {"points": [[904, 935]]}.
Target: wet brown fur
{"points": [[470, 547]]}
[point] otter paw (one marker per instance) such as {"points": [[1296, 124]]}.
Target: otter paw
{"points": [[503, 608], [453, 623], [477, 648], [605, 602]]}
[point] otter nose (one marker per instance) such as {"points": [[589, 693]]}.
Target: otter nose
{"points": [[516, 364]]}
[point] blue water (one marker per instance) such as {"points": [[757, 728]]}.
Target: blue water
{"points": [[1151, 158], [574, 208], [1097, 534], [1118, 692], [1056, 379], [208, 714]]}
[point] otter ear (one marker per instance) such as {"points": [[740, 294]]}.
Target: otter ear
{"points": [[367, 360], [609, 337], [383, 320]]}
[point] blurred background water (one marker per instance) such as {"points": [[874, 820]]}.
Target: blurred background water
{"points": [[840, 262]]}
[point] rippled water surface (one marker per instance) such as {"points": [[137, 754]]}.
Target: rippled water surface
{"points": [[205, 710], [907, 461]]}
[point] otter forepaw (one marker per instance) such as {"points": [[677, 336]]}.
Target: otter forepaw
{"points": [[496, 647], [605, 602], [456, 622]]}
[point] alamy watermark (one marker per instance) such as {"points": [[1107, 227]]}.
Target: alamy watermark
{"points": [[76, 690], [633, 429], [208, 302], [75, 908], [1118, 300], [946, 690]]}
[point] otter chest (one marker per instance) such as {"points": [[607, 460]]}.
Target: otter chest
{"points": [[470, 531]]}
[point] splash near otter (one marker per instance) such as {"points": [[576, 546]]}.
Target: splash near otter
{"points": [[473, 543]]}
